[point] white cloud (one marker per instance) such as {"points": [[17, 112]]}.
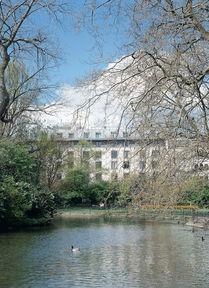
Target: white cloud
{"points": [[69, 110], [99, 111]]}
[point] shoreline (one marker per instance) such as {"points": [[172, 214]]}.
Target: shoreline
{"points": [[197, 219]]}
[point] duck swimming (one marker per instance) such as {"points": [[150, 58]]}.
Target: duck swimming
{"points": [[75, 249]]}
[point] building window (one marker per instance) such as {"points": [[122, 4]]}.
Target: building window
{"points": [[86, 155], [142, 165], [59, 135], [114, 143], [114, 176], [59, 176], [98, 165], [155, 153], [114, 134], [98, 144], [114, 154], [202, 153], [154, 164], [143, 154], [201, 167], [98, 135], [98, 154], [85, 159], [126, 165], [126, 154], [70, 135], [206, 167], [70, 154], [86, 134], [70, 160], [70, 164], [125, 175], [98, 176], [125, 134], [196, 167], [114, 165]]}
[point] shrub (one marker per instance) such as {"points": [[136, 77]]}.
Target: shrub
{"points": [[20, 198]]}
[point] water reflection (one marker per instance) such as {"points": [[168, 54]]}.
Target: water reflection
{"points": [[113, 254]]}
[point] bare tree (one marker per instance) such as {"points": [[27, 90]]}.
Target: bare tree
{"points": [[162, 82], [31, 94], [23, 39]]}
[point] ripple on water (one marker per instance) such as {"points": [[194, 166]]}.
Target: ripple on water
{"points": [[122, 254]]}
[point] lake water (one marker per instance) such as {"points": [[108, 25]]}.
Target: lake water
{"points": [[113, 254]]}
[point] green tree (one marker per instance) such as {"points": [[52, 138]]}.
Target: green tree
{"points": [[22, 200], [15, 161], [98, 191], [48, 155], [195, 191], [15, 201], [75, 186]]}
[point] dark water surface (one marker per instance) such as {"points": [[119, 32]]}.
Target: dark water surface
{"points": [[113, 254]]}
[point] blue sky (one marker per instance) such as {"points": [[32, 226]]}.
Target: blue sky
{"points": [[80, 52], [78, 56]]}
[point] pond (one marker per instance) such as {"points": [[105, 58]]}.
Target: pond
{"points": [[113, 253]]}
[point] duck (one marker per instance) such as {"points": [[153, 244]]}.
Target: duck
{"points": [[75, 249]]}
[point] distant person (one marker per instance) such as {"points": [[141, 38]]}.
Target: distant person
{"points": [[203, 239], [101, 205]]}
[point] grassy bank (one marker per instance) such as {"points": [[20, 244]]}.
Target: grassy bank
{"points": [[142, 214], [90, 213]]}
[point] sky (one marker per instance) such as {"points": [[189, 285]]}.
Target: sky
{"points": [[80, 54]]}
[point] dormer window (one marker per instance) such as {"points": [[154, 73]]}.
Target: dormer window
{"points": [[126, 154], [114, 154], [86, 134], [114, 134], [98, 135], [126, 165], [59, 135], [70, 135]]}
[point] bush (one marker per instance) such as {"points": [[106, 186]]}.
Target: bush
{"points": [[20, 198], [74, 189], [196, 191], [15, 201], [43, 204], [98, 191]]}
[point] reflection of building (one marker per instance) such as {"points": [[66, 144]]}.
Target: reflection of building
{"points": [[113, 155]]}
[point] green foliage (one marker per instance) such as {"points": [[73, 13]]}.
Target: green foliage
{"points": [[48, 159], [15, 201], [124, 196], [21, 200], [16, 162], [43, 205], [196, 191], [112, 194], [98, 191], [75, 187]]}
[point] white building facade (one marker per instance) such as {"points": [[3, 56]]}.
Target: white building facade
{"points": [[116, 155]]}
